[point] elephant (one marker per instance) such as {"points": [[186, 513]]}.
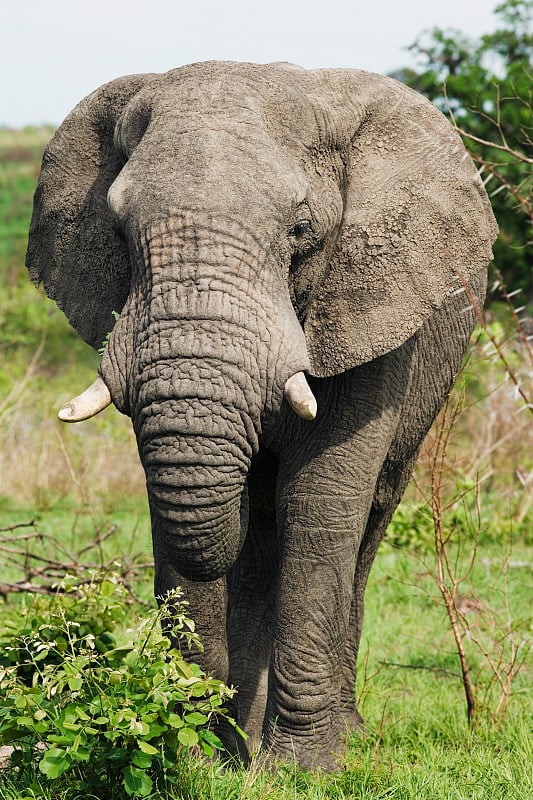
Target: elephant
{"points": [[294, 259]]}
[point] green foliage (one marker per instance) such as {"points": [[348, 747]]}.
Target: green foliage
{"points": [[487, 87], [411, 527], [99, 716], [41, 631]]}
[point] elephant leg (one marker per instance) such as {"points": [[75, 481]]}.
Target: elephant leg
{"points": [[325, 490], [252, 586], [390, 488], [207, 607]]}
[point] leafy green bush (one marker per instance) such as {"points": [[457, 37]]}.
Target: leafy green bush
{"points": [[411, 527], [45, 629], [95, 716]]}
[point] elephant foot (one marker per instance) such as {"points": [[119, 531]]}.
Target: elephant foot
{"points": [[309, 751], [273, 759], [235, 747]]}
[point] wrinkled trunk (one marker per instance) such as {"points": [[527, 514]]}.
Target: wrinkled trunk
{"points": [[210, 338], [196, 438]]}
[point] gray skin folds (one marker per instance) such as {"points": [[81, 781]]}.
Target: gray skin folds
{"points": [[251, 222]]}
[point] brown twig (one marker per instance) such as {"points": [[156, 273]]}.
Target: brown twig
{"points": [[18, 525], [42, 573], [504, 147], [445, 575]]}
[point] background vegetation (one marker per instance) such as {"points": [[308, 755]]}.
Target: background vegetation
{"points": [[445, 671], [485, 87]]}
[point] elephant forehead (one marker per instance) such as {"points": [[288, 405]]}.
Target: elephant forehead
{"points": [[269, 96]]}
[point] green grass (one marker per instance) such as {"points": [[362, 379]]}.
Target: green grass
{"points": [[20, 154], [417, 743], [76, 481]]}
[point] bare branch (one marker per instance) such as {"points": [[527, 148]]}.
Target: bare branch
{"points": [[504, 147]]}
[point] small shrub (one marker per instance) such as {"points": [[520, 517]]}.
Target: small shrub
{"points": [[44, 630], [98, 716]]}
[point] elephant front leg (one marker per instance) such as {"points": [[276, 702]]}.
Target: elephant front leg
{"points": [[207, 606], [326, 484], [319, 547]]}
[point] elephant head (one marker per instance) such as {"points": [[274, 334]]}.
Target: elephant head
{"points": [[250, 223]]}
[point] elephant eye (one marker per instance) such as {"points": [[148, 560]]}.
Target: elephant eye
{"points": [[301, 229]]}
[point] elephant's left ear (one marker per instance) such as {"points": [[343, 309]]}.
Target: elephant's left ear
{"points": [[74, 247], [417, 221]]}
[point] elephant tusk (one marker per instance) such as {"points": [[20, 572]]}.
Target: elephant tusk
{"points": [[86, 405], [300, 397]]}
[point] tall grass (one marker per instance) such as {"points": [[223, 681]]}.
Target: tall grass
{"points": [[43, 363]]}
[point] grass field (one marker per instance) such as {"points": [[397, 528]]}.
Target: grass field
{"points": [[81, 482]]}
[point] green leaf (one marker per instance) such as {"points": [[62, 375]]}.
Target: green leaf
{"points": [[207, 749], [136, 782], [82, 714], [141, 760], [188, 737], [195, 718], [147, 748], [71, 726], [54, 762], [140, 727], [200, 689], [119, 651], [211, 738], [175, 721]]}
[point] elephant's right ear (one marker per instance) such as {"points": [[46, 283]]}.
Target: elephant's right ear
{"points": [[74, 248]]}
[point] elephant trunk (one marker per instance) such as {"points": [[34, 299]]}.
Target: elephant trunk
{"points": [[210, 339], [197, 508], [196, 446]]}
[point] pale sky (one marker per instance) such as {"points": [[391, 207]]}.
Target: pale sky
{"points": [[54, 52]]}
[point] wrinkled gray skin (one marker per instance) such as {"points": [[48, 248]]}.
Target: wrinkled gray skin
{"points": [[250, 222]]}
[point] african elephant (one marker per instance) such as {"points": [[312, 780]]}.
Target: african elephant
{"points": [[272, 237]]}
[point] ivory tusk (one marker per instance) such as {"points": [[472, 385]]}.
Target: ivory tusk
{"points": [[86, 405], [300, 397]]}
